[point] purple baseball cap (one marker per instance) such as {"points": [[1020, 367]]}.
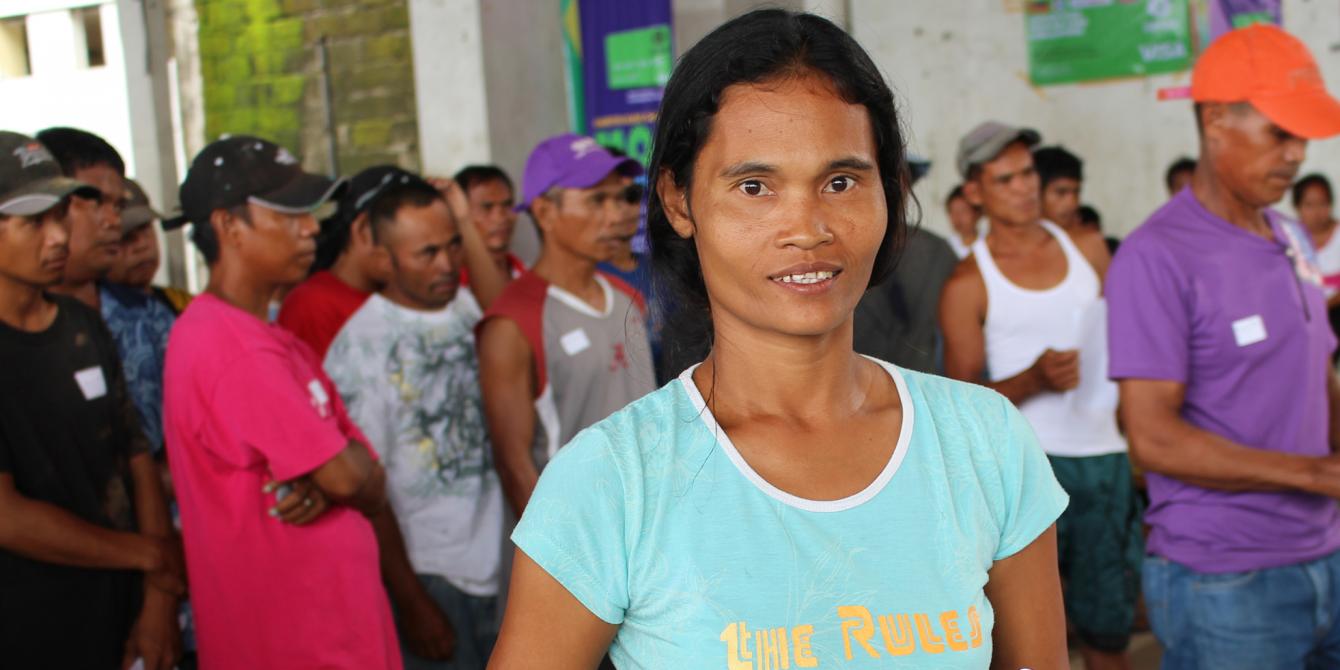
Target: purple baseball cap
{"points": [[570, 161]]}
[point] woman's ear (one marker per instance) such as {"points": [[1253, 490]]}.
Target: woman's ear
{"points": [[675, 202]]}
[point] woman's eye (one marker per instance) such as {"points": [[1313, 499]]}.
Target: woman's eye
{"points": [[840, 184], [754, 187]]}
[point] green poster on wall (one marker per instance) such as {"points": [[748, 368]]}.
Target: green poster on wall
{"points": [[1083, 40]]}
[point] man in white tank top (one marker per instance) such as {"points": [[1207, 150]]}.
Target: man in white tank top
{"points": [[1024, 314]]}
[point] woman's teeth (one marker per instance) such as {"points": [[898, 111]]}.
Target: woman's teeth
{"points": [[806, 278]]}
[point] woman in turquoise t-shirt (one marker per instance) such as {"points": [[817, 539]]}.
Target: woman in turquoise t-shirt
{"points": [[787, 503]]}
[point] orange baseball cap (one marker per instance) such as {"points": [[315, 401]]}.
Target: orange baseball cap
{"points": [[1271, 69]]}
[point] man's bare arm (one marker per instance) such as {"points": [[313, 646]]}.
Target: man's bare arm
{"points": [[1161, 441], [45, 532], [354, 479], [507, 381]]}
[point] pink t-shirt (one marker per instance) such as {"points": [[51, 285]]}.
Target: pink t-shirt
{"points": [[244, 400]]}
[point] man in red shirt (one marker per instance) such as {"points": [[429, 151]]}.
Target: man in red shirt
{"points": [[345, 272]]}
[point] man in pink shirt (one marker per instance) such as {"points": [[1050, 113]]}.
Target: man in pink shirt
{"points": [[275, 484]]}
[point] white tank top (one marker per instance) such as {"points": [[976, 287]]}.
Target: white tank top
{"points": [[1022, 323]]}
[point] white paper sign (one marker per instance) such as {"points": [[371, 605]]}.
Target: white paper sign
{"points": [[91, 382], [1249, 330], [320, 400], [575, 342]]}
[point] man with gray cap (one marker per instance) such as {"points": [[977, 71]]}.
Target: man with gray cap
{"points": [[1024, 314], [89, 572], [275, 484], [564, 346], [139, 321]]}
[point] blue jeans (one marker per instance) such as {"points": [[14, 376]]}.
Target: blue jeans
{"points": [[475, 620], [1274, 619]]}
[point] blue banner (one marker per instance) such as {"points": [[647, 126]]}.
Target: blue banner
{"points": [[619, 57]]}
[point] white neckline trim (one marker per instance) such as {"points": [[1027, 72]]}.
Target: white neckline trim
{"points": [[839, 505], [580, 305]]}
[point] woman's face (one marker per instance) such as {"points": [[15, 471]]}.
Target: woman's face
{"points": [[786, 207], [1314, 208]]}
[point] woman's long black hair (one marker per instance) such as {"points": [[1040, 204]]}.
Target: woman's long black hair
{"points": [[756, 47]]}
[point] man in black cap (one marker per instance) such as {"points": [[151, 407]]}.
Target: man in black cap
{"points": [[94, 221], [275, 484], [89, 572]]}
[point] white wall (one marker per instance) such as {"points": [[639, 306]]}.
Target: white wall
{"points": [[61, 93], [954, 63], [452, 102]]}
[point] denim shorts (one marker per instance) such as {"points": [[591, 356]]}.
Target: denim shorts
{"points": [[1272, 619]]}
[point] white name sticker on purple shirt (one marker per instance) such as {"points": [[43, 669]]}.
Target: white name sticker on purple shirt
{"points": [[1249, 330]]}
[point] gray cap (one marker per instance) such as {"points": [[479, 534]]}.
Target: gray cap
{"points": [[987, 140], [31, 181], [137, 210]]}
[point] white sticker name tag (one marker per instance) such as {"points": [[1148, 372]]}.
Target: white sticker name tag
{"points": [[320, 400], [1249, 330], [91, 382], [575, 342]]}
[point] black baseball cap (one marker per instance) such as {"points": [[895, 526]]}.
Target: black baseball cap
{"points": [[239, 169], [364, 187], [31, 181], [137, 211]]}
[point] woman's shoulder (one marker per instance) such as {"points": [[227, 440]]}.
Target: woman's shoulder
{"points": [[959, 416], [949, 400], [658, 426]]}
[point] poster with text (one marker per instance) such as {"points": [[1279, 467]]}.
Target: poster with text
{"points": [[1083, 40], [619, 56]]}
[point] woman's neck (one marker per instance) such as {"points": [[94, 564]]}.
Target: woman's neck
{"points": [[753, 373], [1321, 234]]}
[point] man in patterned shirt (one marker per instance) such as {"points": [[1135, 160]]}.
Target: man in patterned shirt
{"points": [[405, 365]]}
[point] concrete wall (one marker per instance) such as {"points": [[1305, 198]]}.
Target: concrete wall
{"points": [[954, 63], [260, 67]]}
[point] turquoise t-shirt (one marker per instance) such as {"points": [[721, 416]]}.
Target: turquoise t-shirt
{"points": [[654, 522]]}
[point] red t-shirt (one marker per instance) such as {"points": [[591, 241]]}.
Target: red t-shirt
{"points": [[245, 401], [316, 310]]}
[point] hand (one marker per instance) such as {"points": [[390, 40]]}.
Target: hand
{"points": [[428, 633], [168, 570], [457, 203], [1057, 370], [303, 504], [1326, 476], [155, 637]]}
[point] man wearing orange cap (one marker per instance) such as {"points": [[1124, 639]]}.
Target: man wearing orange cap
{"points": [[1220, 341]]}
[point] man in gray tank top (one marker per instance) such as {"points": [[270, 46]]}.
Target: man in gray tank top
{"points": [[564, 346], [1024, 313]]}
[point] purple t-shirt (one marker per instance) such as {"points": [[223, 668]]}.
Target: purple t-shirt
{"points": [[1197, 300]]}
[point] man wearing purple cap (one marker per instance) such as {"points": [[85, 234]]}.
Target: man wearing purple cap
{"points": [[564, 346], [1220, 341]]}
